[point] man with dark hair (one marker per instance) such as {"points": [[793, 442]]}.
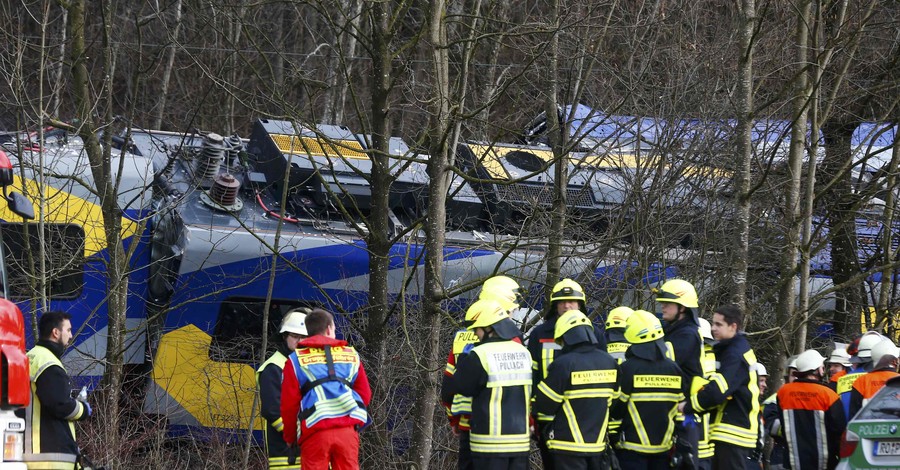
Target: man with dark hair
{"points": [[326, 391], [731, 397], [52, 413]]}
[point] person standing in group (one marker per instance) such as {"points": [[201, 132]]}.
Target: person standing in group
{"points": [[838, 364], [616, 346], [755, 460], [505, 291], [577, 392], [566, 295], [650, 387], [51, 415], [326, 391], [268, 383], [496, 373], [861, 359], [706, 448], [680, 305], [732, 396], [778, 457], [884, 359], [812, 418]]}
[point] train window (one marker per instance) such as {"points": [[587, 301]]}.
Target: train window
{"points": [[238, 333], [64, 246]]}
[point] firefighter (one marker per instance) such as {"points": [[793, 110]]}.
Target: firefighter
{"points": [[325, 392], [807, 407], [50, 418], [838, 364], [755, 460], [577, 392], [616, 345], [706, 448], [778, 456], [650, 387], [566, 295], [732, 396], [884, 359], [496, 373], [507, 292], [861, 360], [679, 303], [268, 383]]}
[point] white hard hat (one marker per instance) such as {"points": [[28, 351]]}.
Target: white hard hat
{"points": [[840, 355], [760, 369], [705, 329], [884, 348], [294, 322], [871, 338], [809, 361], [792, 362]]}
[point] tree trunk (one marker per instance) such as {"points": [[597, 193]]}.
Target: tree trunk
{"points": [[744, 148], [167, 70], [556, 133]]}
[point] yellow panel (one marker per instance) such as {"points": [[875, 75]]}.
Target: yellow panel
{"points": [[64, 208], [318, 147], [217, 394]]}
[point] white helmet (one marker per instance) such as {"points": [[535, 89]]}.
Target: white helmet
{"points": [[840, 355], [705, 329], [792, 363], [760, 369], [871, 338], [884, 348], [809, 361], [294, 322]]}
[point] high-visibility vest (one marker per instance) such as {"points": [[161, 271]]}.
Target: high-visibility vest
{"points": [[461, 405], [276, 448], [326, 376], [500, 411]]}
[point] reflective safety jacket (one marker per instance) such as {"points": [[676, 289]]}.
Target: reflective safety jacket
{"points": [[866, 386], [497, 375], [812, 421], [50, 418], [576, 396], [732, 395], [833, 380], [773, 428], [457, 407], [268, 382], [685, 346], [845, 386], [543, 347], [706, 447], [616, 347], [650, 387], [325, 386]]}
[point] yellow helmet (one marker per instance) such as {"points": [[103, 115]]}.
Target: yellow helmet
{"points": [[643, 327], [678, 291], [484, 313], [569, 320], [618, 317], [504, 290], [567, 289]]}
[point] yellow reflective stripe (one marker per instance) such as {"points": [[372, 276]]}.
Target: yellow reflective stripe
{"points": [[278, 425], [550, 393], [576, 447], [495, 410], [543, 417], [638, 423], [674, 397], [461, 405], [450, 369], [574, 429], [590, 393]]}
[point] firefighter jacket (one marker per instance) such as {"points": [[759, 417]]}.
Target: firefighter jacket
{"points": [[576, 395], [543, 347], [706, 448], [845, 386], [732, 395], [650, 387], [866, 386], [497, 375], [325, 386], [616, 345], [268, 382], [685, 346], [812, 421], [457, 407], [772, 428], [50, 418]]}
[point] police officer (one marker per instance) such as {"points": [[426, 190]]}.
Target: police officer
{"points": [[807, 406], [496, 373], [268, 382], [577, 392], [616, 345], [507, 293], [566, 295], [650, 387], [732, 396], [50, 418], [679, 303], [884, 359]]}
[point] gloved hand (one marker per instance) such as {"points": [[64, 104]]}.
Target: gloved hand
{"points": [[87, 405]]}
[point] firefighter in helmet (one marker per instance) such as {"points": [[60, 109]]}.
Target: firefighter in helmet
{"points": [[650, 387], [616, 345], [577, 392], [505, 291], [268, 382], [566, 295], [496, 374]]}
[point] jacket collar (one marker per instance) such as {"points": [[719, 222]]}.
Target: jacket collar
{"points": [[319, 341], [54, 347]]}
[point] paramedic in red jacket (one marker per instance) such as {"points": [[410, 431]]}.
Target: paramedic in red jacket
{"points": [[331, 417]]}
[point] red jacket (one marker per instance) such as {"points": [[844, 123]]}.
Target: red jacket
{"points": [[291, 395]]}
